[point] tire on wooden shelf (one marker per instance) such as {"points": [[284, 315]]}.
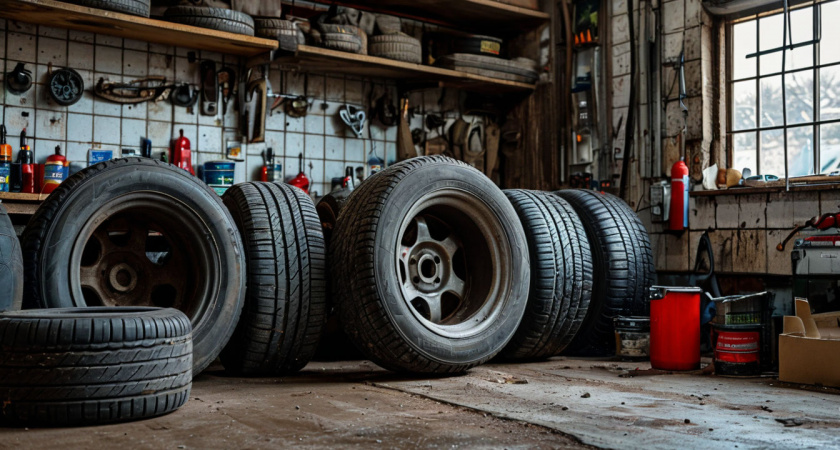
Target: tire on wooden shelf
{"points": [[91, 366], [399, 47], [134, 7], [285, 300], [623, 267], [138, 232], [285, 31], [219, 19], [488, 46], [561, 275], [429, 267], [11, 265], [521, 69], [345, 38]]}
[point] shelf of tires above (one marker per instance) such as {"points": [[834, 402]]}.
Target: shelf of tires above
{"points": [[470, 14], [83, 18], [316, 59]]}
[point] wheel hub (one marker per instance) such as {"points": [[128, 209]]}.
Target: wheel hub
{"points": [[122, 278], [426, 268]]}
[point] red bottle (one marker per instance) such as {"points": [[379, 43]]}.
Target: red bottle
{"points": [[181, 155], [27, 166], [55, 171], [678, 217]]}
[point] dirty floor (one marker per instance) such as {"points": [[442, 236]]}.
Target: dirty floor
{"points": [[560, 403]]}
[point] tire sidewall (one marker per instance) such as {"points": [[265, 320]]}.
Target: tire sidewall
{"points": [[405, 195], [219, 318]]}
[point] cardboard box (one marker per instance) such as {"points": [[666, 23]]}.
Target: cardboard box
{"points": [[809, 347]]}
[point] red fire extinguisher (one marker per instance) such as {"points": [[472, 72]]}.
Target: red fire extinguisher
{"points": [[301, 180], [27, 165], [678, 219], [181, 155]]}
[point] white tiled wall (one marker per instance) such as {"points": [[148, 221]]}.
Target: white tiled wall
{"points": [[326, 143]]}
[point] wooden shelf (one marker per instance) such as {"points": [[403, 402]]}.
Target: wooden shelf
{"points": [[82, 18], [470, 14], [18, 203], [321, 60]]}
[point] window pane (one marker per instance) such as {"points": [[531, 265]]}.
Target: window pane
{"points": [[743, 43], [743, 97], [829, 147], [744, 151], [800, 58], [800, 151], [771, 101], [829, 48], [770, 37], [772, 158], [830, 93], [802, 25], [799, 97]]}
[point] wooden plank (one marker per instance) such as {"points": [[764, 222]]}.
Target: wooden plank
{"points": [[82, 18], [471, 14], [21, 197], [21, 208], [316, 59]]}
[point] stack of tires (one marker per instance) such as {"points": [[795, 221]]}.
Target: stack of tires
{"points": [[431, 269]]}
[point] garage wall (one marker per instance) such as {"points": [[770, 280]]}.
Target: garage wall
{"points": [[95, 123]]}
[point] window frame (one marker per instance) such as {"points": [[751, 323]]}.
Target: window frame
{"points": [[815, 68]]}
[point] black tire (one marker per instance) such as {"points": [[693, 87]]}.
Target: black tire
{"points": [[488, 46], [520, 70], [561, 275], [399, 47], [11, 265], [285, 31], [623, 266], [376, 263], [219, 19], [134, 7], [90, 366], [350, 43], [285, 302], [106, 219]]}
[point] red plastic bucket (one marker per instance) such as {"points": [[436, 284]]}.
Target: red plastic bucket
{"points": [[675, 328]]}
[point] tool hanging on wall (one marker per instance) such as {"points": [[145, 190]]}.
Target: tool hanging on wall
{"points": [[227, 85], [299, 105], [405, 146], [19, 80], [300, 180], [66, 86], [354, 118], [492, 134], [184, 95], [209, 88], [474, 144], [135, 91]]}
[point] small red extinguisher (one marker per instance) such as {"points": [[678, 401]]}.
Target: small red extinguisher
{"points": [[678, 219], [181, 155]]}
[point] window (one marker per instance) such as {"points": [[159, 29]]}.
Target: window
{"points": [[812, 92]]}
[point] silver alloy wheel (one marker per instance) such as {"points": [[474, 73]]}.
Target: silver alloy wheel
{"points": [[451, 263]]}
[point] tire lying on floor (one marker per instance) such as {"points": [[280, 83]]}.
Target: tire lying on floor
{"points": [[623, 267], [11, 265], [429, 267], [285, 299], [138, 232], [89, 366], [561, 275]]}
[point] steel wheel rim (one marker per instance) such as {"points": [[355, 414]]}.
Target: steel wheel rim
{"points": [[129, 269], [451, 263]]}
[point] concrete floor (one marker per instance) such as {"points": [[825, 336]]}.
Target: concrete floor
{"points": [[554, 404]]}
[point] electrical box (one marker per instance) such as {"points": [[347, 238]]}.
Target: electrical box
{"points": [[660, 201]]}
